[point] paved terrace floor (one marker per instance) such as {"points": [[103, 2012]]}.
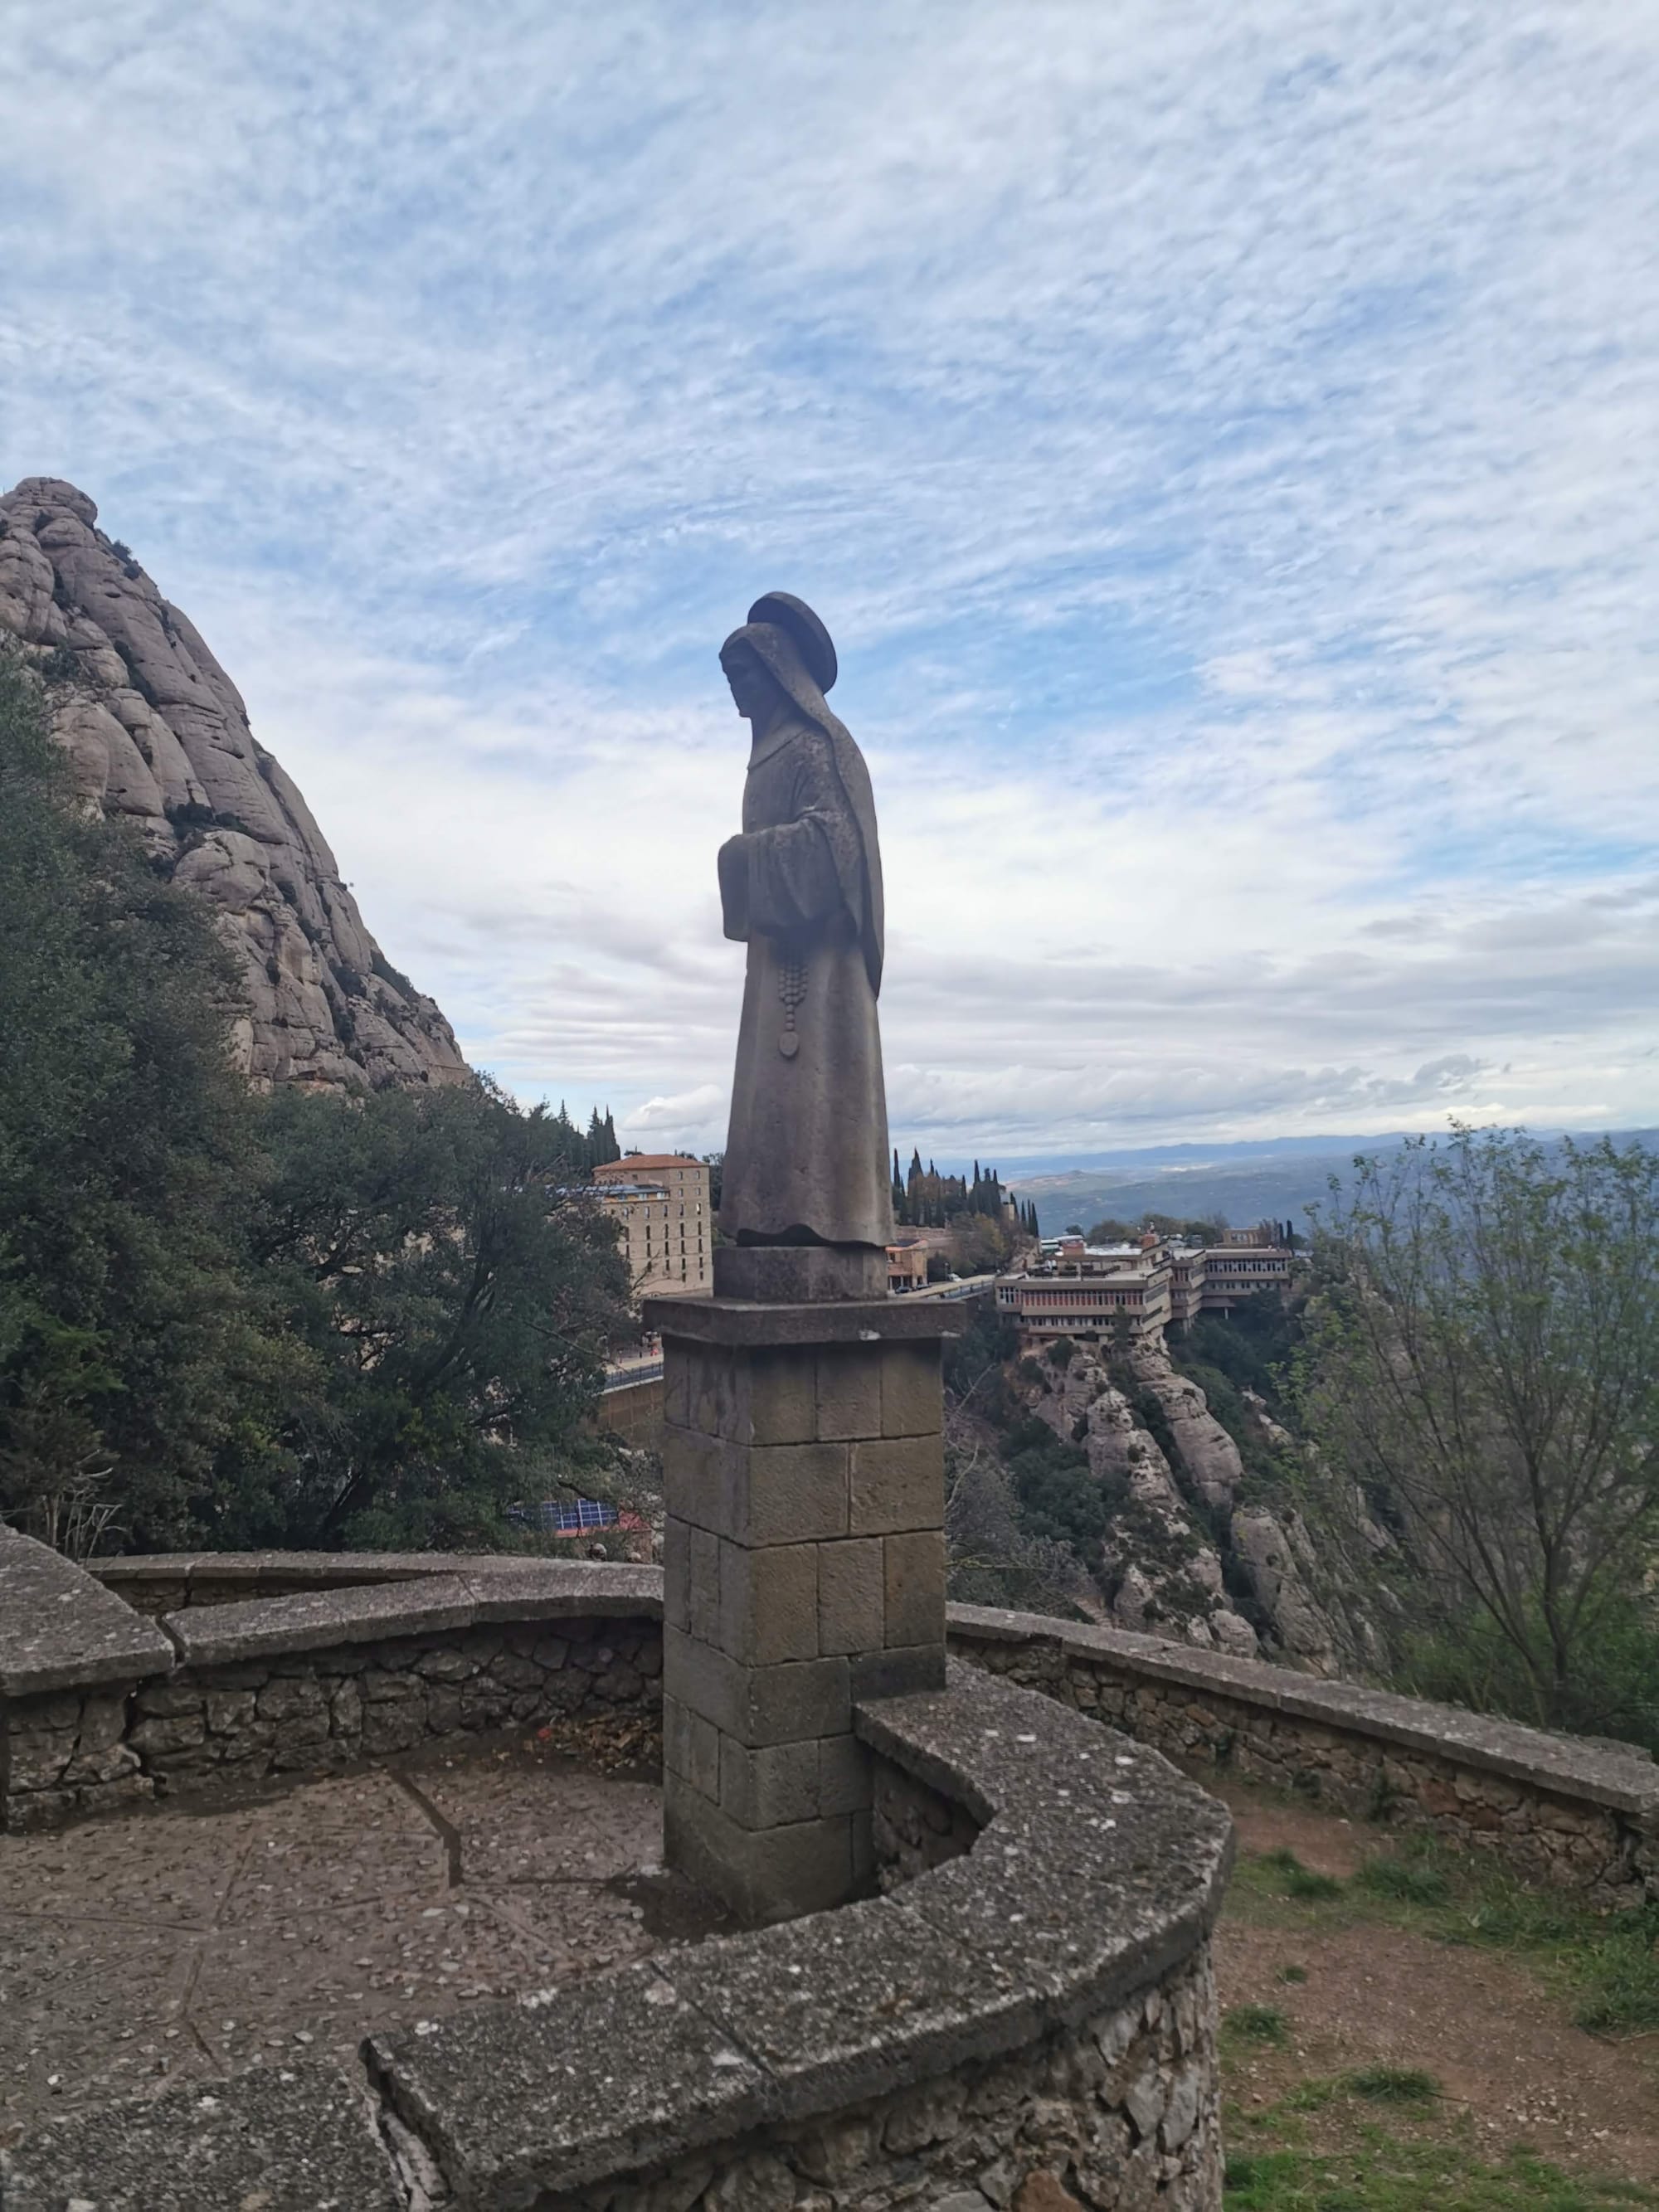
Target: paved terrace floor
{"points": [[176, 1945]]}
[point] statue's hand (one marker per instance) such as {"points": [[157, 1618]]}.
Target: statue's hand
{"points": [[734, 888]]}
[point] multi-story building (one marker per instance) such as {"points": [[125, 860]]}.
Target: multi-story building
{"points": [[1092, 1292], [661, 1203], [907, 1264], [1234, 1271], [1089, 1307]]}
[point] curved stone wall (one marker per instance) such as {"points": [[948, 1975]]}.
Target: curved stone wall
{"points": [[1579, 1813], [1030, 2018], [1025, 2015], [1557, 1809], [101, 1706]]}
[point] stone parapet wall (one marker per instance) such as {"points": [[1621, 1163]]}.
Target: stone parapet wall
{"points": [[322, 1678], [1554, 1808], [1025, 2010], [1026, 2022], [1032, 2011], [157, 1582], [320, 1711], [1118, 2112], [1580, 1814]]}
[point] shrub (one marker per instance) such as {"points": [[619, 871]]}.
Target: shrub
{"points": [[388, 974], [1255, 2023], [1412, 1885], [1391, 2085]]}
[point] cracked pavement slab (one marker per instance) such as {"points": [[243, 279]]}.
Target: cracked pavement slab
{"points": [[180, 1944]]}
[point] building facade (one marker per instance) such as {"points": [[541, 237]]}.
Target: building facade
{"points": [[1094, 1291], [907, 1265], [660, 1202]]}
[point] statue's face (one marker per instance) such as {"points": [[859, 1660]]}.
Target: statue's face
{"points": [[755, 690]]}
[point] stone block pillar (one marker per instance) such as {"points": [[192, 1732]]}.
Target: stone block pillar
{"points": [[804, 1571]]}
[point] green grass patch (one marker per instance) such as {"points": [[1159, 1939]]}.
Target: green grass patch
{"points": [[1286, 1874], [1378, 2085], [1328, 2148], [1606, 1965], [1392, 2085], [1292, 1973], [1383, 2174], [1254, 2023], [1412, 1882]]}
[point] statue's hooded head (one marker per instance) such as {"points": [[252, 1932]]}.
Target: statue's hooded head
{"points": [[798, 653], [794, 649]]}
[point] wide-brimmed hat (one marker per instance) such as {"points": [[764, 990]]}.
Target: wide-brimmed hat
{"points": [[812, 641]]}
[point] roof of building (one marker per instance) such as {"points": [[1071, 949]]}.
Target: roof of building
{"points": [[635, 1164]]}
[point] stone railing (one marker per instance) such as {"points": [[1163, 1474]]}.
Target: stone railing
{"points": [[1563, 1809], [312, 1659], [165, 1581], [1030, 1993], [1027, 2011], [100, 1705]]}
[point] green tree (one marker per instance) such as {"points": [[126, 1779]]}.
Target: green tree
{"points": [[1480, 1374], [138, 1367], [979, 1244], [455, 1294], [602, 1146]]}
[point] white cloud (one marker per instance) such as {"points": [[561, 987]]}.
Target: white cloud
{"points": [[1223, 444]]}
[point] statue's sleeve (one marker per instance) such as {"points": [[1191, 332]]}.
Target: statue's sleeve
{"points": [[733, 866], [793, 878]]}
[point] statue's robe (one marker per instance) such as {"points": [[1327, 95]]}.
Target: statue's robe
{"points": [[807, 1147]]}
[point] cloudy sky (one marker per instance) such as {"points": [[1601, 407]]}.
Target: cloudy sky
{"points": [[1225, 443]]}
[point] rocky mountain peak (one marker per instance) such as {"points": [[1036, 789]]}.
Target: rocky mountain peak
{"points": [[158, 734]]}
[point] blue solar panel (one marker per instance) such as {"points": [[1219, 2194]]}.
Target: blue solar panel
{"points": [[565, 1517]]}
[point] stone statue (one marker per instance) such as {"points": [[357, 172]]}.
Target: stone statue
{"points": [[806, 1161]]}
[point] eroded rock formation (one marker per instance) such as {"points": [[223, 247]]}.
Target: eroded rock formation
{"points": [[1185, 1557], [158, 735]]}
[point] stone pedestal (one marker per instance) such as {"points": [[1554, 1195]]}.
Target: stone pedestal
{"points": [[799, 1274], [804, 1568]]}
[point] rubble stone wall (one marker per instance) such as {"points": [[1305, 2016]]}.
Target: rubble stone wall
{"points": [[1560, 1810], [101, 1706], [914, 1826], [1022, 2017], [1557, 1810], [1120, 2112], [317, 1711], [1027, 2023]]}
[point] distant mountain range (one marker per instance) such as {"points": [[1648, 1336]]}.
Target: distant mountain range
{"points": [[1275, 1179]]}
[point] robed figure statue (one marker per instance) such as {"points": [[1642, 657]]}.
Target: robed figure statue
{"points": [[807, 1155]]}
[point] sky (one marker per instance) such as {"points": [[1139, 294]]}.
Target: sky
{"points": [[1224, 443]]}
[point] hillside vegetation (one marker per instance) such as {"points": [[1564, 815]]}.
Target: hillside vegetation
{"points": [[1434, 1466], [233, 1320]]}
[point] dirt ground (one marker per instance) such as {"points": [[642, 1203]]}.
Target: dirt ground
{"points": [[1501, 2044]]}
